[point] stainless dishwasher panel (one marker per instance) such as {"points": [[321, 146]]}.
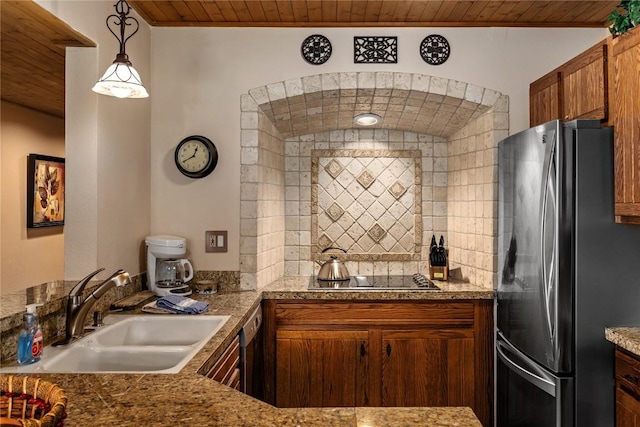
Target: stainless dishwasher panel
{"points": [[251, 362]]}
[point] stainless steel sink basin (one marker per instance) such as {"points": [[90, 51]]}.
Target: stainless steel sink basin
{"points": [[132, 344]]}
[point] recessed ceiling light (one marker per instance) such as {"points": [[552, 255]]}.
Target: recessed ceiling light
{"points": [[368, 119]]}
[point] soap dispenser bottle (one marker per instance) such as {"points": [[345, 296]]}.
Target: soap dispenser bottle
{"points": [[30, 342]]}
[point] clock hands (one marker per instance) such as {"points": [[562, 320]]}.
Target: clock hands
{"points": [[194, 154]]}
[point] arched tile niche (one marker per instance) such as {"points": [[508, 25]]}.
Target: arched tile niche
{"points": [[311, 178]]}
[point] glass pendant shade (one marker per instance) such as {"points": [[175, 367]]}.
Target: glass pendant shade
{"points": [[122, 81]]}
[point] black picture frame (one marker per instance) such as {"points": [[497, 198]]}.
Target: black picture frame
{"points": [[45, 191]]}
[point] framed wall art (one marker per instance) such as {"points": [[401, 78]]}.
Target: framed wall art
{"points": [[45, 191]]}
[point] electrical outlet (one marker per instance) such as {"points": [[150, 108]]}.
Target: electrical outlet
{"points": [[215, 241]]}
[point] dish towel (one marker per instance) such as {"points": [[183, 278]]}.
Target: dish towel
{"points": [[182, 305]]}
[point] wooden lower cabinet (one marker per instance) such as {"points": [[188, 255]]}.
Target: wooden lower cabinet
{"points": [[370, 353], [321, 368], [627, 389], [226, 370], [441, 369]]}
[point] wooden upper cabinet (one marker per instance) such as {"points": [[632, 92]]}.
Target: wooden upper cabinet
{"points": [[545, 99], [585, 88], [626, 122], [578, 89]]}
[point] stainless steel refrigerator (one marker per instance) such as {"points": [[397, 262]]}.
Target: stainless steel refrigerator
{"points": [[566, 272]]}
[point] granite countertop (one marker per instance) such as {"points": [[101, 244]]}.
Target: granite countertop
{"points": [[189, 398], [625, 337]]}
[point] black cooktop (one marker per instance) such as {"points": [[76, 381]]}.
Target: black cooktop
{"points": [[414, 282]]}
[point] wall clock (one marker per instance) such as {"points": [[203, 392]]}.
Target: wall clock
{"points": [[435, 49], [196, 156], [316, 49]]}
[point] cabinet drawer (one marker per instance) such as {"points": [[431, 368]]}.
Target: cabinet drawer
{"points": [[224, 369], [459, 314], [234, 381], [628, 372]]}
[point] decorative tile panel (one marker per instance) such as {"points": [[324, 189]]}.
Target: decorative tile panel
{"points": [[335, 211], [397, 190], [376, 232], [366, 179], [324, 241], [334, 168], [369, 202]]}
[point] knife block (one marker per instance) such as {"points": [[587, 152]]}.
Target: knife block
{"points": [[439, 272]]}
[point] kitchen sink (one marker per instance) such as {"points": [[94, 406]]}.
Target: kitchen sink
{"points": [[134, 359], [162, 330], [132, 344]]}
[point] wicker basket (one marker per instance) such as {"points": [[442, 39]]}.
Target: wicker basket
{"points": [[31, 402]]}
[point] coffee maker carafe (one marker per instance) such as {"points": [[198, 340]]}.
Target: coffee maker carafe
{"points": [[171, 273], [167, 272]]}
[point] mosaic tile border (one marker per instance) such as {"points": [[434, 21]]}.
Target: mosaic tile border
{"points": [[316, 248]]}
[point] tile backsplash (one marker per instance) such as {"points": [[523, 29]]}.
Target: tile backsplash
{"points": [[309, 179], [376, 193], [367, 202]]}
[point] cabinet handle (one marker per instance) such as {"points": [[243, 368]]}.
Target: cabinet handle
{"points": [[631, 378], [388, 349], [362, 351]]}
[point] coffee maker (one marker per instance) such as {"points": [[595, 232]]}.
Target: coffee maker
{"points": [[167, 272]]}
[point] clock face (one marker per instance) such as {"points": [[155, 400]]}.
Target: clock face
{"points": [[196, 156], [435, 49]]}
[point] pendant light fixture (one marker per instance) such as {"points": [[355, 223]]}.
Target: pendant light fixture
{"points": [[121, 79]]}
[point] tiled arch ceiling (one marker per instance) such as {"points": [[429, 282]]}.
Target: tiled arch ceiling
{"points": [[408, 102]]}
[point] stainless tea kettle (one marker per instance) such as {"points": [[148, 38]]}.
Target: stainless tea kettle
{"points": [[333, 269]]}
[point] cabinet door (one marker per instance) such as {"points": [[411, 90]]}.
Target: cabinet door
{"points": [[545, 99], [321, 368], [626, 122], [627, 409], [585, 85], [428, 368]]}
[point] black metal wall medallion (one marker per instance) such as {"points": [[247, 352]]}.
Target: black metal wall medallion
{"points": [[435, 49], [316, 49], [375, 50]]}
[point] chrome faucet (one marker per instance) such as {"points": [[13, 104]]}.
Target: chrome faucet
{"points": [[78, 308]]}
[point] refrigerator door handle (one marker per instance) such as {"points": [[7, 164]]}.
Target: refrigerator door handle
{"points": [[548, 277], [531, 373]]}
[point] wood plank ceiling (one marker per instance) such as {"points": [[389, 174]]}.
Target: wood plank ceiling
{"points": [[32, 56], [358, 13], [33, 41]]}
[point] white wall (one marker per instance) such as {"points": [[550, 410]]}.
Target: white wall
{"points": [[200, 73], [107, 148]]}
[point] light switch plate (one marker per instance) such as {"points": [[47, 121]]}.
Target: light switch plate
{"points": [[215, 241]]}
